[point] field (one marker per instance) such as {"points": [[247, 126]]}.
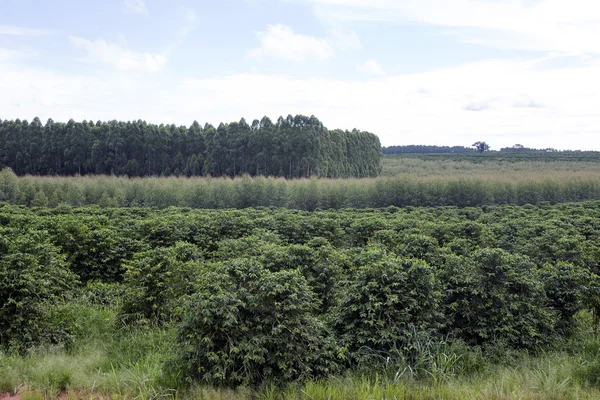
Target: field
{"points": [[502, 167], [491, 302]]}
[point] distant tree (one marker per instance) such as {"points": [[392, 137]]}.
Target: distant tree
{"points": [[481, 146]]}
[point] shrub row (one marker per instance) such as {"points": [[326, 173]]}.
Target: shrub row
{"points": [[301, 194]]}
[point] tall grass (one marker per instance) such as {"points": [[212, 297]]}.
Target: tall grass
{"points": [[130, 365], [303, 194], [107, 360], [407, 181]]}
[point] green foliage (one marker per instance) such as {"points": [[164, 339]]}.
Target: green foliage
{"points": [[157, 280], [387, 299], [9, 185], [494, 296], [318, 262], [408, 180], [34, 280], [481, 146], [566, 286], [96, 293], [246, 324], [93, 252]]}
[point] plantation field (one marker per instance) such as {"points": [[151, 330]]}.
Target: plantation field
{"points": [[482, 302], [502, 167]]}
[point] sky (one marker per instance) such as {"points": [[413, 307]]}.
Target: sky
{"points": [[434, 72]]}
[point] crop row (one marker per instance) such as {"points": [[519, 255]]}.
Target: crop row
{"points": [[274, 294]]}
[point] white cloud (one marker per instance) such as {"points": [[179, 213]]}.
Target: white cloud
{"points": [[135, 7], [280, 41], [190, 15], [119, 57], [345, 40], [370, 67], [188, 26], [428, 107], [525, 104], [544, 25], [7, 55], [23, 31]]}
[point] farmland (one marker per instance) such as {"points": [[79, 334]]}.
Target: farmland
{"points": [[496, 166], [418, 302]]}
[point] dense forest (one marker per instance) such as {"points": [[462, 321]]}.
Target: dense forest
{"points": [[292, 147]]}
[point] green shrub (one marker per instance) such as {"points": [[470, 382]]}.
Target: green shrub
{"points": [[34, 280], [94, 252], [256, 244], [388, 238], [386, 301], [157, 279], [588, 372], [9, 185], [419, 246], [247, 324], [97, 293], [318, 262], [494, 296], [565, 285]]}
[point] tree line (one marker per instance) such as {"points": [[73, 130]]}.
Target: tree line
{"points": [[423, 149], [519, 148], [292, 147]]}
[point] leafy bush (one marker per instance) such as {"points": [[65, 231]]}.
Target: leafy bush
{"points": [[493, 295], [421, 247], [94, 252], [9, 185], [34, 280], [247, 324], [386, 301], [157, 279], [318, 262], [97, 293], [256, 244], [565, 285]]}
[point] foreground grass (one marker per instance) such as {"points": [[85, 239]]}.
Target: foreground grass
{"points": [[553, 376], [107, 360]]}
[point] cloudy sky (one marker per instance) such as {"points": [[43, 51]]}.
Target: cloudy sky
{"points": [[411, 71]]}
